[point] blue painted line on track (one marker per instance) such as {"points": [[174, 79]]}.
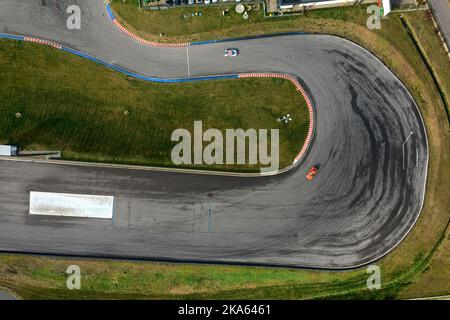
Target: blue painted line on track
{"points": [[109, 10], [199, 43], [8, 36], [155, 79], [146, 78]]}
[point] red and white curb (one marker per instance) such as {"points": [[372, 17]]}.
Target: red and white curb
{"points": [[146, 42], [305, 96], [45, 42], [242, 75]]}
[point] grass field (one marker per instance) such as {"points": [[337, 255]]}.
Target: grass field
{"points": [[178, 25], [434, 279], [418, 266], [78, 107], [438, 271], [438, 59]]}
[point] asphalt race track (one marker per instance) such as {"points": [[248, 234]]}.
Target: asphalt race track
{"points": [[366, 197]]}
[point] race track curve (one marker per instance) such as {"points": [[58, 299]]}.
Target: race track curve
{"points": [[366, 198]]}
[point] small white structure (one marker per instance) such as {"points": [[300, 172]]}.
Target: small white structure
{"points": [[8, 151], [71, 205], [386, 7], [240, 8]]}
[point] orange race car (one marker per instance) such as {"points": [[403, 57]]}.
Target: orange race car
{"points": [[311, 173]]}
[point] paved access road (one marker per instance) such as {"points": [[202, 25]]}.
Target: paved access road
{"points": [[441, 10], [366, 197]]}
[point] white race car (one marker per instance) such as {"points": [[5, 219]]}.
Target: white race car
{"points": [[230, 52]]}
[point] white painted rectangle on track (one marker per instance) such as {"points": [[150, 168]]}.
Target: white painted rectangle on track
{"points": [[71, 205]]}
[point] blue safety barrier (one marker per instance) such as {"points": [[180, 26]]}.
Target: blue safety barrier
{"points": [[197, 43], [8, 36], [110, 13], [146, 78]]}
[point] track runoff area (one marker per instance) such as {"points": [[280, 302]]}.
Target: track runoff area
{"points": [[365, 199]]}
